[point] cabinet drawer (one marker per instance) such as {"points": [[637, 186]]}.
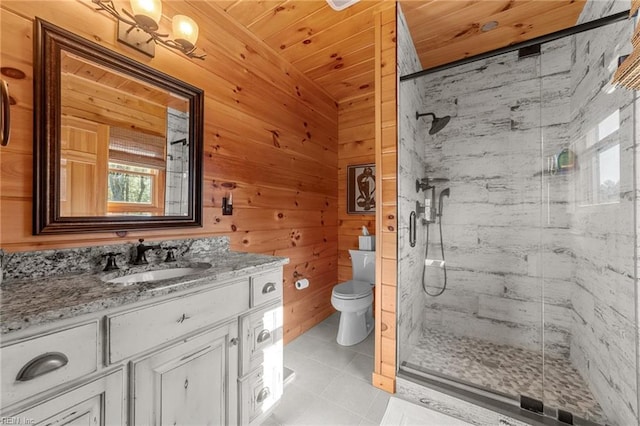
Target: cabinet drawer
{"points": [[260, 391], [266, 287], [136, 331], [261, 336], [47, 361], [99, 402]]}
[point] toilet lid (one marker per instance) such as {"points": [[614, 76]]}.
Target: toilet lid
{"points": [[352, 290]]}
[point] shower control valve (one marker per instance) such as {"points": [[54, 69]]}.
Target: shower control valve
{"points": [[430, 210]]}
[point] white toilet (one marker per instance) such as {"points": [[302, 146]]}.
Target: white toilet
{"points": [[354, 299]]}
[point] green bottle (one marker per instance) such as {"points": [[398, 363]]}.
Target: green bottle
{"points": [[566, 160]]}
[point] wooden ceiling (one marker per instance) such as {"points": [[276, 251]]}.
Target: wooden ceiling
{"points": [[447, 30], [335, 49]]}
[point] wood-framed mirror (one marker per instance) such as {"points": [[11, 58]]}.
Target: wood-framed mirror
{"points": [[117, 144]]}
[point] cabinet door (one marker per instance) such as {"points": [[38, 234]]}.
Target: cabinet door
{"points": [[99, 402], [191, 383]]}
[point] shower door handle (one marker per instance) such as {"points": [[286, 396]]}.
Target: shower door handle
{"points": [[412, 229]]}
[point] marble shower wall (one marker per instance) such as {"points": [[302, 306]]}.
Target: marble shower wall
{"points": [[411, 167], [492, 222], [603, 241], [555, 261]]}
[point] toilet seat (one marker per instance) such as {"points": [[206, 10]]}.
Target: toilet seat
{"points": [[352, 290]]}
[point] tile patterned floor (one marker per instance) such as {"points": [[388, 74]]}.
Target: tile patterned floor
{"points": [[508, 370], [332, 384]]}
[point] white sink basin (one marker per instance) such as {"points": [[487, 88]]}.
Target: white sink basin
{"points": [[157, 275]]}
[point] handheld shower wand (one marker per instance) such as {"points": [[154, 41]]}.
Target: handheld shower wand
{"points": [[444, 193]]}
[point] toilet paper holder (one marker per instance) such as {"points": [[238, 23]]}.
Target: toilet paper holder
{"points": [[302, 284]]}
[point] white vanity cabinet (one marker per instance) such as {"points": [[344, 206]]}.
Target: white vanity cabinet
{"points": [[208, 355]]}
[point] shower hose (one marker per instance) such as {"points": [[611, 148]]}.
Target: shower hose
{"points": [[424, 264]]}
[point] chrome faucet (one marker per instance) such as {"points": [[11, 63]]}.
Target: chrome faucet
{"points": [[141, 249]]}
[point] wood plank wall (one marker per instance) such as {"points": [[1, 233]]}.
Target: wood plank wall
{"points": [[386, 159], [271, 138], [356, 145]]}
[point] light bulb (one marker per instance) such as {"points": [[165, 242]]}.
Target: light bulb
{"points": [[147, 13], [185, 31]]}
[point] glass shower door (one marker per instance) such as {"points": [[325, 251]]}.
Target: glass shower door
{"points": [[590, 338], [475, 319]]}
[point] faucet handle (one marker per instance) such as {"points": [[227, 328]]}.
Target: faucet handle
{"points": [[111, 261], [170, 255]]}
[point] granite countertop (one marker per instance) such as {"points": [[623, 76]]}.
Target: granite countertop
{"points": [[35, 301]]}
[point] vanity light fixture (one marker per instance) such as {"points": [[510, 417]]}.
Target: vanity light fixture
{"points": [[139, 29]]}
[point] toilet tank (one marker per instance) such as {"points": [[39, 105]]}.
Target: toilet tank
{"points": [[363, 264]]}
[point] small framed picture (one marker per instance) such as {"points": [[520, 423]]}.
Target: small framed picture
{"points": [[361, 189]]}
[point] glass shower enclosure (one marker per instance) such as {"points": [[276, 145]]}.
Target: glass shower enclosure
{"points": [[518, 225]]}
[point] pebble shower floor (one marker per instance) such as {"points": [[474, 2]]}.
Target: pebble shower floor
{"points": [[508, 370]]}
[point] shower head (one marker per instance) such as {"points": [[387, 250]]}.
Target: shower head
{"points": [[437, 124]]}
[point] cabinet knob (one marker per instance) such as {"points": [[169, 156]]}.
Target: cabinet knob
{"points": [[264, 394], [42, 364], [234, 341], [264, 335], [269, 288]]}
